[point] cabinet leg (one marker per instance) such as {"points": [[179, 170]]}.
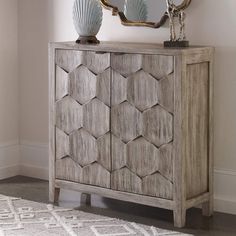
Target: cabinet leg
{"points": [[179, 218], [57, 195], [85, 199], [54, 195], [207, 208]]}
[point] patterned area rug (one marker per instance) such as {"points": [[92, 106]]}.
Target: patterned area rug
{"points": [[20, 217]]}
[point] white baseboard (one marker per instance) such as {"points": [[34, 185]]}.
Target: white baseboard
{"points": [[225, 206], [34, 160], [9, 171], [225, 190], [28, 159], [12, 143], [9, 159], [34, 171]]}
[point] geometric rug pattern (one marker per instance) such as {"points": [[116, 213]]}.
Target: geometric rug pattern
{"points": [[19, 217]]}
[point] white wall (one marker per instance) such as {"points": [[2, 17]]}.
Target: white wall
{"points": [[8, 88], [33, 40], [208, 23], [33, 25]]}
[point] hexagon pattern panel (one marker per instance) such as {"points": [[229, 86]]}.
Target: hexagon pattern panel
{"points": [[83, 117], [142, 124], [128, 95]]}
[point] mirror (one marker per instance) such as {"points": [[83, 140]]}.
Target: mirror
{"points": [[150, 13]]}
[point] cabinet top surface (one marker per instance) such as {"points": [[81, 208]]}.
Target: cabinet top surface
{"points": [[126, 47]]}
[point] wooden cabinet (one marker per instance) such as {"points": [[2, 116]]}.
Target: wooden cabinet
{"points": [[132, 122]]}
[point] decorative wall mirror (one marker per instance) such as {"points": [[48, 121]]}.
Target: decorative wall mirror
{"points": [[149, 13]]}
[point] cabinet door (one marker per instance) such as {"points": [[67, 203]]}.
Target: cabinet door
{"points": [[142, 124], [83, 117]]}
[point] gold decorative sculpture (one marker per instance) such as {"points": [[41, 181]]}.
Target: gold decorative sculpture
{"points": [[174, 12]]}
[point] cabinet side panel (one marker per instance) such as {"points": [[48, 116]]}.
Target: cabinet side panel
{"points": [[195, 107]]}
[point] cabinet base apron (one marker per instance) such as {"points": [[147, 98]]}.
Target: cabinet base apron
{"points": [[179, 217]]}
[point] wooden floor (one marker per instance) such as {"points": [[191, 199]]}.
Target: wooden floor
{"points": [[37, 190]]}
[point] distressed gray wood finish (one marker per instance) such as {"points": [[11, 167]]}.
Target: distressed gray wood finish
{"points": [[207, 206], [82, 114], [96, 118], [140, 125], [119, 150], [179, 160], [62, 144], [97, 62], [83, 84], [142, 90], [156, 185], [86, 149], [95, 174], [126, 181], [158, 126], [104, 87], [158, 65], [85, 199], [94, 61], [195, 127], [139, 164], [62, 83], [68, 60], [166, 160], [67, 169], [126, 122], [123, 196], [165, 92], [68, 115], [133, 122], [52, 142], [119, 88], [104, 151], [142, 157], [83, 147], [57, 195], [126, 64]]}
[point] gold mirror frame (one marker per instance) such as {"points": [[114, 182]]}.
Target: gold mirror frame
{"points": [[126, 22]]}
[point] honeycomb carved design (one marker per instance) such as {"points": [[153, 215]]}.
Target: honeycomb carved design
{"points": [[158, 126], [83, 118], [129, 103], [142, 124], [82, 84], [155, 125], [126, 121], [68, 115], [96, 118], [83, 147], [135, 158], [142, 90]]}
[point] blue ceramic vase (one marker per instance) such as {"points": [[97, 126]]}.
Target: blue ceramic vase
{"points": [[87, 17]]}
